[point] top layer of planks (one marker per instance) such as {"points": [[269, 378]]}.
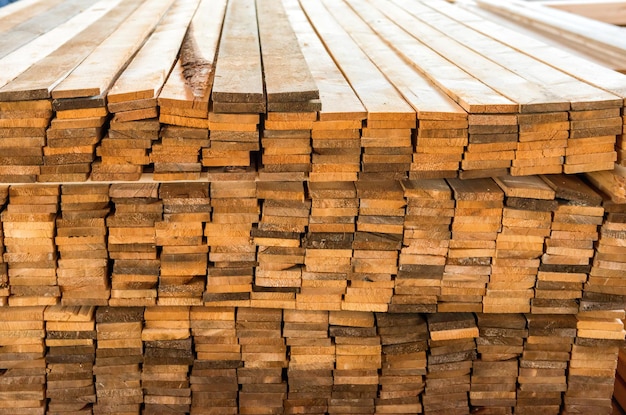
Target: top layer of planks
{"points": [[462, 94]]}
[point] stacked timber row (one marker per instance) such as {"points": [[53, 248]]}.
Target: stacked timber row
{"points": [[291, 206], [539, 244], [240, 359]]}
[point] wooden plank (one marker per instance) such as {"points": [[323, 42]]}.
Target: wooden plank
{"points": [[22, 11], [336, 150], [239, 48], [611, 11], [287, 76], [150, 67], [95, 75]]}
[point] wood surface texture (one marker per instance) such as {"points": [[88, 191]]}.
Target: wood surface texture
{"points": [[298, 206]]}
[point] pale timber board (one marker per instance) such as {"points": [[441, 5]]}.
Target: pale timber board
{"points": [[99, 70], [20, 60], [287, 75], [39, 24], [531, 97], [20, 6], [338, 99], [238, 71], [607, 11], [470, 93], [523, 65], [531, 187], [572, 47], [38, 81], [428, 101], [611, 39], [557, 57], [144, 77], [379, 97], [480, 190], [18, 12]]}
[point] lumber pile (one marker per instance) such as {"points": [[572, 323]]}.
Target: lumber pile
{"points": [[526, 219], [475, 226], [255, 206], [451, 350]]}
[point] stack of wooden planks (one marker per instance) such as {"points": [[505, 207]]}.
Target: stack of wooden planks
{"points": [[132, 244], [264, 355], [22, 360], [213, 376], [256, 206], [526, 219], [31, 254], [180, 236], [311, 360], [168, 353], [119, 355], [403, 363], [357, 361], [520, 108], [231, 251], [475, 228], [569, 248], [494, 372], [544, 361], [81, 231], [451, 350], [71, 343]]}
